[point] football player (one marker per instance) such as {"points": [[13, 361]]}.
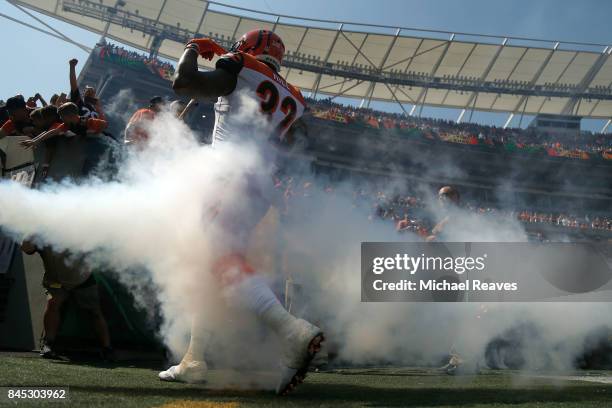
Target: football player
{"points": [[250, 68]]}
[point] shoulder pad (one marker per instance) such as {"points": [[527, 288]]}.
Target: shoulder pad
{"points": [[295, 91], [231, 62]]}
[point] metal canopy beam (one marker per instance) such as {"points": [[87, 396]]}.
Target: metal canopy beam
{"points": [[297, 50], [588, 78], [523, 112], [347, 89], [416, 54], [472, 110], [236, 28], [161, 10], [518, 62], [374, 65], [331, 48], [597, 103], [62, 35], [358, 49], [487, 70], [433, 73], [81, 46], [411, 58], [405, 94], [570, 62], [334, 84], [275, 23], [365, 38], [469, 54], [534, 80], [370, 91], [80, 12], [488, 36], [464, 110], [202, 19], [422, 105]]}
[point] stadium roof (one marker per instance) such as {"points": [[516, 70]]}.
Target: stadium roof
{"points": [[373, 62]]}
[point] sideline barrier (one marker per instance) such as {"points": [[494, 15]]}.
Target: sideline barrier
{"points": [[22, 297]]}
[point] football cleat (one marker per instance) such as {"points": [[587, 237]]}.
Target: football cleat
{"points": [[321, 359], [301, 345], [193, 372], [454, 364], [108, 355], [47, 351]]}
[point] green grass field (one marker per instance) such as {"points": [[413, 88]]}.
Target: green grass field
{"points": [[121, 386]]}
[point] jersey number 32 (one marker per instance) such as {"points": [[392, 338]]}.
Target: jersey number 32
{"points": [[268, 93]]}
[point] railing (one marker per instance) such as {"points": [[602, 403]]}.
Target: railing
{"points": [[298, 61], [428, 133]]}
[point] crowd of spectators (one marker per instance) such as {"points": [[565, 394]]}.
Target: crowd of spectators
{"points": [[582, 146], [78, 114], [566, 220], [513, 139], [134, 60], [36, 122], [408, 211]]}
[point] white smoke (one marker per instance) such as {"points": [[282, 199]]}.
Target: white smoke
{"points": [[157, 216], [327, 233], [119, 107]]}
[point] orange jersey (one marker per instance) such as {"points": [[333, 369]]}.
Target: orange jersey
{"points": [[142, 115], [96, 125], [12, 128], [90, 125], [9, 127], [135, 131], [281, 102]]}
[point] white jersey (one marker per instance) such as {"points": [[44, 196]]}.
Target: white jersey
{"points": [[261, 109], [279, 101]]}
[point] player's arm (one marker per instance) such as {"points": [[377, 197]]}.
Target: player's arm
{"points": [[74, 86], [134, 130], [57, 130], [440, 226], [7, 129], [95, 126], [99, 109], [189, 81], [28, 247], [41, 99], [192, 103], [3, 133]]}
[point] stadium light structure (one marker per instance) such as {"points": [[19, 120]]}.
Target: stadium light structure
{"points": [[374, 62], [368, 74]]}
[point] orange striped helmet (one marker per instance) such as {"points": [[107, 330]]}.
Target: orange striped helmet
{"points": [[264, 45]]}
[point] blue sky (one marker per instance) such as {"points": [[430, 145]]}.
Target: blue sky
{"points": [[35, 62]]}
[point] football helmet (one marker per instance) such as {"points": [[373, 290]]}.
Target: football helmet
{"points": [[264, 45]]}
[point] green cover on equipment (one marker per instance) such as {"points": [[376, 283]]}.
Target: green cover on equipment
{"points": [[129, 326]]}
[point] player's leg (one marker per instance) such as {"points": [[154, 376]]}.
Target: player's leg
{"points": [[87, 297], [52, 319], [301, 340], [192, 368]]}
